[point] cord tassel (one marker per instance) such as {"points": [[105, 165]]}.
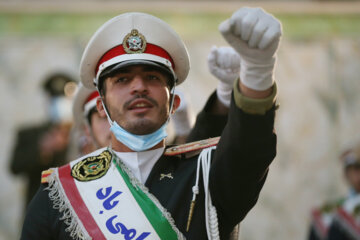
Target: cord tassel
{"points": [[195, 190], [191, 211]]}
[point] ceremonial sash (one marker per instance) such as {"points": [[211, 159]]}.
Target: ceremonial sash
{"points": [[101, 199]]}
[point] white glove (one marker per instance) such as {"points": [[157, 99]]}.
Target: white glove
{"points": [[255, 35], [224, 64]]}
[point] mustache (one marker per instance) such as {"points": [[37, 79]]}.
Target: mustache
{"points": [[137, 96]]}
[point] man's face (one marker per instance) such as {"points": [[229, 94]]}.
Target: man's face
{"points": [[137, 98], [101, 129], [353, 177]]}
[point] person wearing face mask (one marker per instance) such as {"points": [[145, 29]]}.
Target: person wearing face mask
{"points": [[137, 187], [92, 131], [45, 145]]}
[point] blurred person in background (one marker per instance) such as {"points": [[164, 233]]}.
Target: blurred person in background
{"points": [[346, 220], [92, 130], [181, 119], [45, 145], [330, 221]]}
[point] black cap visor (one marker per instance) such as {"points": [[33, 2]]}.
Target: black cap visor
{"points": [[113, 69]]}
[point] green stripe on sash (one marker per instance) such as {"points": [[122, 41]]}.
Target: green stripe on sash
{"points": [[149, 208]]}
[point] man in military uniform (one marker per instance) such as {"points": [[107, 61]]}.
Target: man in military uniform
{"points": [[139, 189], [45, 145]]}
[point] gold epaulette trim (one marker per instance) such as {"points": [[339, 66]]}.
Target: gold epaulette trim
{"points": [[193, 146], [45, 174]]}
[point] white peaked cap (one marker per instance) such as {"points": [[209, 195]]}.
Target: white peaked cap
{"points": [[162, 46], [84, 101]]}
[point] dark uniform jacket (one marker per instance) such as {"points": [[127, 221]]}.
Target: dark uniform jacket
{"points": [[26, 157], [336, 232], [208, 124], [238, 172], [321, 219], [345, 227]]}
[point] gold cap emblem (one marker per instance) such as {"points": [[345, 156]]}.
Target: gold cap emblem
{"points": [[134, 42]]}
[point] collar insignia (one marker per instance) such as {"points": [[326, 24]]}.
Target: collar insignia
{"points": [[92, 168], [134, 42], [163, 175]]}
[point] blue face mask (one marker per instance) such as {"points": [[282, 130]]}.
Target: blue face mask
{"points": [[138, 143]]}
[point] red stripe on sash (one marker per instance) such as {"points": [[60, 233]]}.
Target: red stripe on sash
{"points": [[319, 224], [72, 193]]}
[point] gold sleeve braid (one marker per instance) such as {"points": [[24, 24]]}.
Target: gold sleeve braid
{"points": [[252, 105]]}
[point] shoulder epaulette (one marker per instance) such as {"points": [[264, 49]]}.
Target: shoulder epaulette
{"points": [[190, 147], [45, 174]]}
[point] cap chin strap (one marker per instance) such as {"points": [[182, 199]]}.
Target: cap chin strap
{"points": [[147, 141]]}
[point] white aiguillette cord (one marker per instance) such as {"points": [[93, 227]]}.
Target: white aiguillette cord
{"points": [[210, 211]]}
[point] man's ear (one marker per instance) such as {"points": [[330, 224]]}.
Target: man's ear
{"points": [[100, 107], [176, 103]]}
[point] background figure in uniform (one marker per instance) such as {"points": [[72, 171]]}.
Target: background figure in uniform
{"points": [[346, 220], [91, 130], [326, 223], [138, 187], [181, 119], [45, 145]]}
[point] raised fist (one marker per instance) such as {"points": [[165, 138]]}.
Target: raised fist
{"points": [[255, 35], [224, 64]]}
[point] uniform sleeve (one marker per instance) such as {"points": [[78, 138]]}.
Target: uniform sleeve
{"points": [[240, 166], [251, 105], [207, 124], [42, 220], [312, 234], [337, 233]]}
